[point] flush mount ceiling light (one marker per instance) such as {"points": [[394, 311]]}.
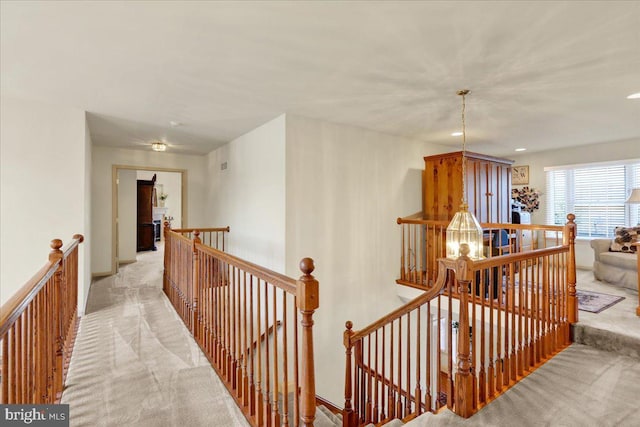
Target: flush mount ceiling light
{"points": [[175, 123], [464, 234], [456, 134], [158, 146], [634, 96], [521, 149]]}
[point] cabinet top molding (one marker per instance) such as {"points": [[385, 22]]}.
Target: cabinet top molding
{"points": [[471, 155]]}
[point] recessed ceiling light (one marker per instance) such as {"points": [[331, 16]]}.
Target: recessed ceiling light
{"points": [[174, 123], [634, 96], [158, 146], [456, 134], [521, 149]]}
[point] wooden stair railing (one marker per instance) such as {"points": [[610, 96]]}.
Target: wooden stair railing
{"points": [[423, 242], [479, 329], [228, 304], [215, 237], [37, 330]]}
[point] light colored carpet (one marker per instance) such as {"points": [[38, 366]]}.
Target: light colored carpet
{"points": [[580, 387], [134, 362]]}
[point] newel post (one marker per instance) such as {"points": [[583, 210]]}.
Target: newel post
{"points": [[167, 258], [55, 256], [195, 285], [463, 405], [307, 300], [569, 237], [347, 413]]}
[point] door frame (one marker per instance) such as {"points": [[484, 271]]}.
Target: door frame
{"points": [[114, 203]]}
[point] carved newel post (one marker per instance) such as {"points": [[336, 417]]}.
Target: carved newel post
{"points": [[167, 258], [569, 237], [55, 256], [307, 301], [347, 412], [463, 380], [195, 320]]}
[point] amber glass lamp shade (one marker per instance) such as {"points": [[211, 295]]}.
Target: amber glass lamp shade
{"points": [[464, 228]]}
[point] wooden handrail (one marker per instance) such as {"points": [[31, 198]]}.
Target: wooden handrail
{"points": [[201, 229], [228, 304], [16, 304], [511, 312], [37, 329], [277, 279]]}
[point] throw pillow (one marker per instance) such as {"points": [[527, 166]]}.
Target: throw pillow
{"points": [[624, 237]]}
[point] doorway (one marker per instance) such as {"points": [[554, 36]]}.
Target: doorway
{"points": [[169, 202]]}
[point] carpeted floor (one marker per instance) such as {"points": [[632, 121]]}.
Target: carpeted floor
{"points": [[580, 387], [134, 362]]}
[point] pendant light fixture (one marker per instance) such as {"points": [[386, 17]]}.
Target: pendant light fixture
{"points": [[464, 229]]}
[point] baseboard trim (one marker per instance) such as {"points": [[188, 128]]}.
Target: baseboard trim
{"points": [[102, 274], [127, 261]]}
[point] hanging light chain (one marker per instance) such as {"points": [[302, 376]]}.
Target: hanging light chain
{"points": [[463, 93]]}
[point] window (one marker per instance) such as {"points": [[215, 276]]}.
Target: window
{"points": [[596, 194]]}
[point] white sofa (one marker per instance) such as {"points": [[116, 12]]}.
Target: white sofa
{"points": [[618, 268]]}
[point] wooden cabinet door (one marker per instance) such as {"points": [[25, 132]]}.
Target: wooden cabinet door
{"points": [[145, 235]]}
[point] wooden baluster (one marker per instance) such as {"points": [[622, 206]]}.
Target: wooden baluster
{"points": [[369, 385], [569, 237], [252, 385], [195, 257], [275, 418], [259, 392], [383, 394], [245, 351], [308, 301], [418, 391], [5, 368], [296, 364], [376, 406], [407, 397], [391, 404], [285, 364], [428, 394], [267, 365]]}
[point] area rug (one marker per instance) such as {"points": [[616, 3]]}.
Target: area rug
{"points": [[595, 302]]}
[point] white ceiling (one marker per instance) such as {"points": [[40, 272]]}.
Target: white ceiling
{"points": [[543, 74]]}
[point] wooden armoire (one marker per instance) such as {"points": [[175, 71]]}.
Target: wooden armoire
{"points": [[145, 228], [488, 187]]}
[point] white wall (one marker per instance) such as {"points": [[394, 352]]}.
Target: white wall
{"points": [[172, 185], [102, 160], [127, 215], [43, 181], [249, 195], [603, 152], [346, 187]]}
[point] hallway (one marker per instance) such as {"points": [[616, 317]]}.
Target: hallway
{"points": [[134, 362]]}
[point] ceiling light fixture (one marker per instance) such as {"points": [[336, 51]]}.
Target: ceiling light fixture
{"points": [[158, 146], [634, 96], [456, 134], [464, 231], [521, 149], [175, 123]]}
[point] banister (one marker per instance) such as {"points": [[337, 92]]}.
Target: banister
{"points": [[37, 329], [201, 229], [280, 280], [516, 257], [398, 312], [16, 304]]}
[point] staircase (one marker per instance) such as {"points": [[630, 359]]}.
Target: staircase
{"points": [[591, 383]]}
